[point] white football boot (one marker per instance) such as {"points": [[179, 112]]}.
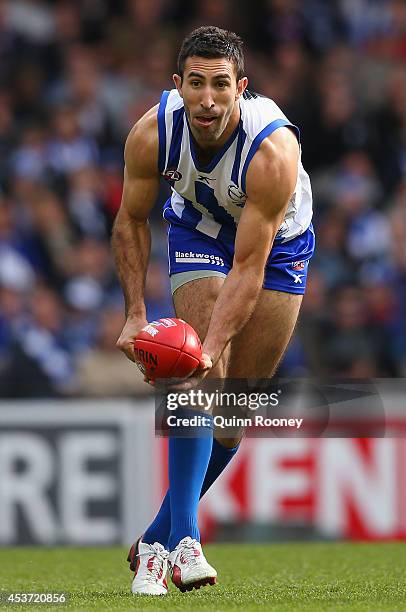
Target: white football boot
{"points": [[150, 564], [188, 566]]}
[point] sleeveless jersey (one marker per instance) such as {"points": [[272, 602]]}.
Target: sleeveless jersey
{"points": [[211, 198]]}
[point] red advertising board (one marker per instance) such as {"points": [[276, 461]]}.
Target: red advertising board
{"points": [[342, 488]]}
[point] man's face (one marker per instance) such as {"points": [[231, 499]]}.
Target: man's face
{"points": [[210, 91]]}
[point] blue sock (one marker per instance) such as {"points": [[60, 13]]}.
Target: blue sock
{"points": [[160, 528], [188, 461]]}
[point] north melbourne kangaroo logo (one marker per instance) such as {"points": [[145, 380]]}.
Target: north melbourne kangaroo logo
{"points": [[236, 195]]}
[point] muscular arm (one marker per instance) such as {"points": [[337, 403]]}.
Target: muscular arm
{"points": [[271, 180], [131, 239]]}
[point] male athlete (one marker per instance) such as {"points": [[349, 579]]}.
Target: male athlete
{"points": [[241, 198]]}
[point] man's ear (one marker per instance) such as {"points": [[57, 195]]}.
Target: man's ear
{"points": [[241, 87], [178, 83]]}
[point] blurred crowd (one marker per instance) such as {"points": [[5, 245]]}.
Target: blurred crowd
{"points": [[75, 76]]}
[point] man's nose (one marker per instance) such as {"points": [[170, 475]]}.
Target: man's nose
{"points": [[207, 101]]}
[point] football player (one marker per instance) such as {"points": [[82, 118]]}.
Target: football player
{"points": [[239, 242]]}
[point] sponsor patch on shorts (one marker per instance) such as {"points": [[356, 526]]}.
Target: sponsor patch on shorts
{"points": [[200, 258]]}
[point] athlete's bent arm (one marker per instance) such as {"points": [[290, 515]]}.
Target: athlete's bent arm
{"points": [[271, 181], [131, 239]]}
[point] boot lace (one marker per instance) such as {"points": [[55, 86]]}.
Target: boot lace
{"points": [[156, 562], [189, 553]]}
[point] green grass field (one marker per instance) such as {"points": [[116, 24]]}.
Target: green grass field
{"points": [[306, 576]]}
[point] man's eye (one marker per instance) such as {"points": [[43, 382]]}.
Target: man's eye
{"points": [[221, 84], [195, 83]]}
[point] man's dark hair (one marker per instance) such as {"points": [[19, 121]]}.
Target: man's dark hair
{"points": [[212, 42]]}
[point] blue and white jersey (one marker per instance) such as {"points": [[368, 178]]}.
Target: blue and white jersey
{"points": [[211, 198]]}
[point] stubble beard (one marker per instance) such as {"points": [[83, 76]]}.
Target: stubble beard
{"points": [[213, 133]]}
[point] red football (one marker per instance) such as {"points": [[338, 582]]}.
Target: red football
{"points": [[167, 348]]}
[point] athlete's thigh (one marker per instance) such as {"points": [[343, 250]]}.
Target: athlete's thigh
{"points": [[258, 348], [194, 302]]}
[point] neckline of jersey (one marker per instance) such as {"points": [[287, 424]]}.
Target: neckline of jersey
{"points": [[215, 160]]}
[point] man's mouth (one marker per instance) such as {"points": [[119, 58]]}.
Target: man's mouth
{"points": [[205, 120]]}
